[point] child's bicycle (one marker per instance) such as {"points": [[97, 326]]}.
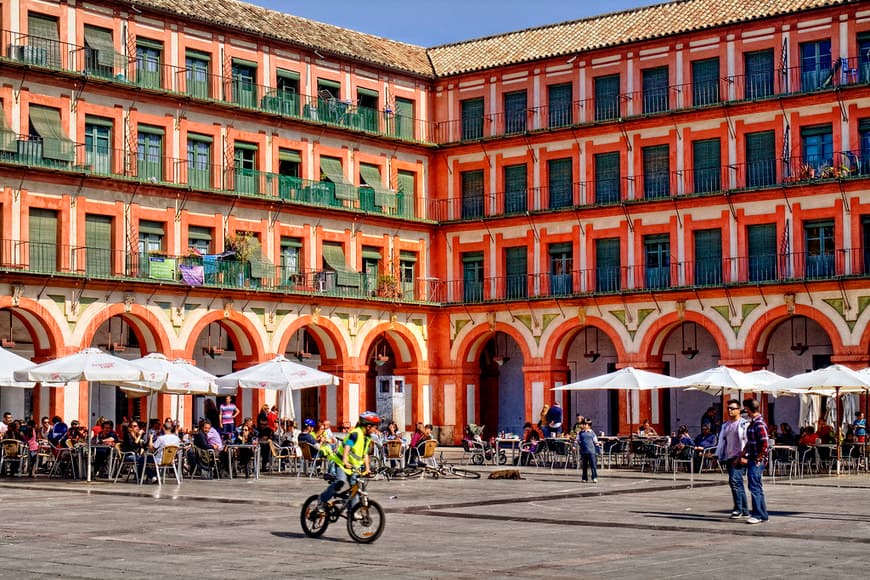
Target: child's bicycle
{"points": [[365, 520], [447, 471]]}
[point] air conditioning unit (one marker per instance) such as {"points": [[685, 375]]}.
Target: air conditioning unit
{"points": [[29, 54], [16, 52]]}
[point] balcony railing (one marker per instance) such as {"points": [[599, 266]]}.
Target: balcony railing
{"points": [[843, 72], [237, 91]]}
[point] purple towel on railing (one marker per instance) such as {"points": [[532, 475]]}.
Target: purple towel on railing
{"points": [[192, 275]]}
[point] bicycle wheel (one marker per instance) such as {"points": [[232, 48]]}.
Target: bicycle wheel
{"points": [[313, 523], [477, 459], [365, 523], [502, 457], [406, 472], [464, 473]]}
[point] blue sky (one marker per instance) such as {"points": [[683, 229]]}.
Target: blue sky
{"points": [[443, 21]]}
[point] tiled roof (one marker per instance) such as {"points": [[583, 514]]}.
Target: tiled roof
{"points": [[607, 30], [326, 38]]}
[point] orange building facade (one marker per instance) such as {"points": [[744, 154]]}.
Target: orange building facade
{"points": [[485, 220]]}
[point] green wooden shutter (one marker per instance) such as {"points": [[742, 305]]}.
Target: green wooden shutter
{"points": [[472, 194], [705, 82], [708, 257], [707, 163], [407, 196], [758, 74], [655, 90], [8, 138], [472, 119], [100, 40], [606, 97], [371, 175], [332, 168], [762, 252], [607, 265], [516, 270], [607, 178], [515, 112], [98, 244], [55, 144], [561, 175], [760, 159], [42, 26], [404, 118], [656, 172], [43, 42], [560, 105], [515, 186], [42, 232], [472, 276]]}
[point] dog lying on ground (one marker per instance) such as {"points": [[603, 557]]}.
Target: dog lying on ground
{"points": [[506, 474]]}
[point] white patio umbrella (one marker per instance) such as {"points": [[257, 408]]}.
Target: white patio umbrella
{"points": [[831, 381], [280, 374], [719, 379], [628, 379], [90, 364], [177, 377], [9, 363]]}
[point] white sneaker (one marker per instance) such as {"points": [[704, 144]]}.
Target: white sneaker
{"points": [[755, 520], [594, 481]]}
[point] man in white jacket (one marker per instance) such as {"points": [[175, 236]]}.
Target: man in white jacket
{"points": [[732, 439]]}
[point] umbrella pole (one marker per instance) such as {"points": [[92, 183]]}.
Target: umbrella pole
{"points": [[90, 429], [837, 418]]}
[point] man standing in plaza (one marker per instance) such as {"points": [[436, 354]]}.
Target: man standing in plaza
{"points": [[228, 412], [755, 453], [732, 440]]}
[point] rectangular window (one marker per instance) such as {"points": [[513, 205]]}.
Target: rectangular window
{"points": [[607, 178], [560, 173], [472, 277], [515, 188], [8, 138], [98, 245], [865, 237], [760, 159], [708, 257], [607, 98], [516, 272], [707, 164], [560, 105], [284, 98], [561, 266], [371, 260], [403, 119], [515, 112], [245, 167], [98, 145], [336, 271], [407, 194], [368, 111], [817, 145], [148, 69], [291, 249], [199, 169], [761, 247], [383, 198], [608, 266], [244, 84], [820, 249], [199, 239], [42, 243], [99, 52], [656, 172], [816, 71], [655, 90], [151, 235], [705, 82], [196, 74], [332, 174], [407, 274], [864, 57], [472, 119], [472, 194], [863, 166], [657, 261], [758, 70], [149, 154], [48, 144], [42, 45]]}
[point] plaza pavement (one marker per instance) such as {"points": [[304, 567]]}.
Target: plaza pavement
{"points": [[629, 525]]}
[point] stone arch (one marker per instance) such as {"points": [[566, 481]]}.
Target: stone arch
{"points": [[563, 335], [656, 334], [470, 346], [248, 343], [761, 329], [149, 329], [402, 341], [328, 336], [48, 339]]}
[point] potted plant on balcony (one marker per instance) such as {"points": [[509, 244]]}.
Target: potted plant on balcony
{"points": [[242, 244], [389, 287]]}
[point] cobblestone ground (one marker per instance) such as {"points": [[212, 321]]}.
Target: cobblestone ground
{"points": [[629, 525]]}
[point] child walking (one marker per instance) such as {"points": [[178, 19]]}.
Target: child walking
{"points": [[588, 442]]}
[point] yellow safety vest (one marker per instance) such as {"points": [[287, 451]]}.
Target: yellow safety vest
{"points": [[360, 448]]}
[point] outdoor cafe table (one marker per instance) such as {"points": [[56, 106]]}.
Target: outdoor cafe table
{"points": [[255, 451], [512, 443]]}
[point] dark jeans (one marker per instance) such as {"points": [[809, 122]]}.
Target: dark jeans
{"points": [[756, 490], [589, 460], [735, 481], [342, 479]]}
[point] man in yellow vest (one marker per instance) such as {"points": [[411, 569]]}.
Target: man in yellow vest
{"points": [[350, 455]]}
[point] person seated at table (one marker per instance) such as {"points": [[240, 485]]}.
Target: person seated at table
{"points": [[531, 439], [324, 435], [307, 435], [96, 432], [553, 421], [391, 433], [44, 428], [77, 434], [290, 434], [705, 439], [245, 454], [106, 440], [166, 439], [683, 444], [246, 422], [207, 438], [711, 418], [28, 434], [57, 432], [859, 428], [134, 441], [416, 436], [264, 435], [473, 438], [578, 426], [825, 432], [415, 450], [646, 430], [786, 436], [809, 438]]}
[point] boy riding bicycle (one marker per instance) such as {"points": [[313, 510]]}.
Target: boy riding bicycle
{"points": [[351, 454]]}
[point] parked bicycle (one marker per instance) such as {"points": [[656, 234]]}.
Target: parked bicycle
{"points": [[365, 520], [447, 470]]}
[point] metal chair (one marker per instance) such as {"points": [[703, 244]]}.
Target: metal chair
{"points": [[168, 460], [124, 459], [65, 460], [394, 452], [312, 462], [784, 461], [282, 456], [686, 457], [15, 452], [529, 453], [425, 453], [205, 460]]}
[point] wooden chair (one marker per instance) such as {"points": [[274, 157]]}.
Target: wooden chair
{"points": [[168, 460], [425, 453], [394, 453], [282, 456], [14, 452], [312, 462]]}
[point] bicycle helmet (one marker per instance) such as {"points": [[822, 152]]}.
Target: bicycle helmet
{"points": [[369, 418], [310, 423]]}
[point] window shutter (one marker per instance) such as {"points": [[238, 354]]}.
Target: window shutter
{"points": [[515, 112], [606, 97], [708, 257], [607, 178], [560, 173], [472, 194], [515, 185], [516, 269], [42, 26], [55, 144], [43, 240], [560, 104], [472, 119], [100, 39], [98, 242]]}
